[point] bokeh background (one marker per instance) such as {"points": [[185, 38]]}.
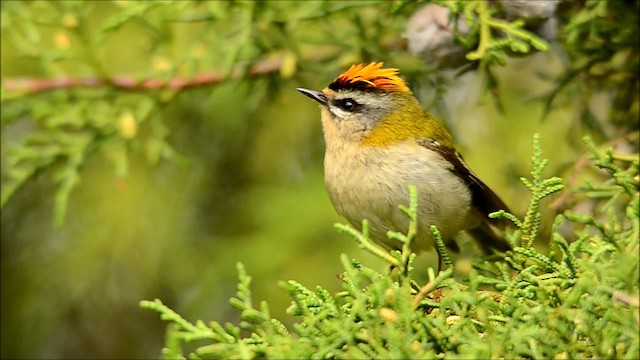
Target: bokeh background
{"points": [[128, 191]]}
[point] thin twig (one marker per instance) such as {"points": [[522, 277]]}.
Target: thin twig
{"points": [[431, 285], [32, 85]]}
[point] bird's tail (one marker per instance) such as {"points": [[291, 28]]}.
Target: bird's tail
{"points": [[488, 239]]}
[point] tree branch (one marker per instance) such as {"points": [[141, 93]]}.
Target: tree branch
{"points": [[35, 85]]}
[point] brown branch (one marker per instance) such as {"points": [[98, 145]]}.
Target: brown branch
{"points": [[262, 67], [31, 85], [423, 292]]}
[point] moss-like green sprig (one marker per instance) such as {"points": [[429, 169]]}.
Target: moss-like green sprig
{"points": [[585, 294], [540, 188]]}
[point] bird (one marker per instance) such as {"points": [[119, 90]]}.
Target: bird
{"points": [[379, 140]]}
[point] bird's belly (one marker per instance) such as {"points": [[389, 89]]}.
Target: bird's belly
{"points": [[362, 188]]}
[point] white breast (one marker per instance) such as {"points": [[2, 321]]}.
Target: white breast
{"points": [[370, 182]]}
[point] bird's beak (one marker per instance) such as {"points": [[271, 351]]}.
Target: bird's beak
{"points": [[315, 95]]}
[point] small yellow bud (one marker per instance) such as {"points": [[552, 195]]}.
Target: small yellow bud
{"points": [[453, 319], [161, 63], [198, 51], [289, 64], [389, 296], [70, 21], [128, 126], [388, 314], [62, 40]]}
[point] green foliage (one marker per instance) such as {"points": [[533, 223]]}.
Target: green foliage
{"points": [[81, 98], [576, 303], [492, 48], [602, 41], [88, 81], [78, 104], [539, 188], [65, 137]]}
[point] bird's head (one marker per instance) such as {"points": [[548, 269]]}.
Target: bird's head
{"points": [[371, 105]]}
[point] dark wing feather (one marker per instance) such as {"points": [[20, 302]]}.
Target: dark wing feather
{"points": [[482, 198]]}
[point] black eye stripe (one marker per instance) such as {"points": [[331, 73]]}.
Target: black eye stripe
{"points": [[348, 104]]}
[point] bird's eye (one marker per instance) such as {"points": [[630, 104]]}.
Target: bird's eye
{"points": [[347, 105]]}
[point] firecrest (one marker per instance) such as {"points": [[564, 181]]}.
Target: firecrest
{"points": [[379, 140]]}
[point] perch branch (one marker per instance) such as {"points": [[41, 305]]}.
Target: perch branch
{"points": [[34, 85]]}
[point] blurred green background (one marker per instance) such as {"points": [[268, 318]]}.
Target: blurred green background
{"points": [[172, 188]]}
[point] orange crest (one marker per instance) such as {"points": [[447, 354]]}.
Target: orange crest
{"points": [[371, 76]]}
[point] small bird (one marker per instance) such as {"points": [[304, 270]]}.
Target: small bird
{"points": [[379, 140]]}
